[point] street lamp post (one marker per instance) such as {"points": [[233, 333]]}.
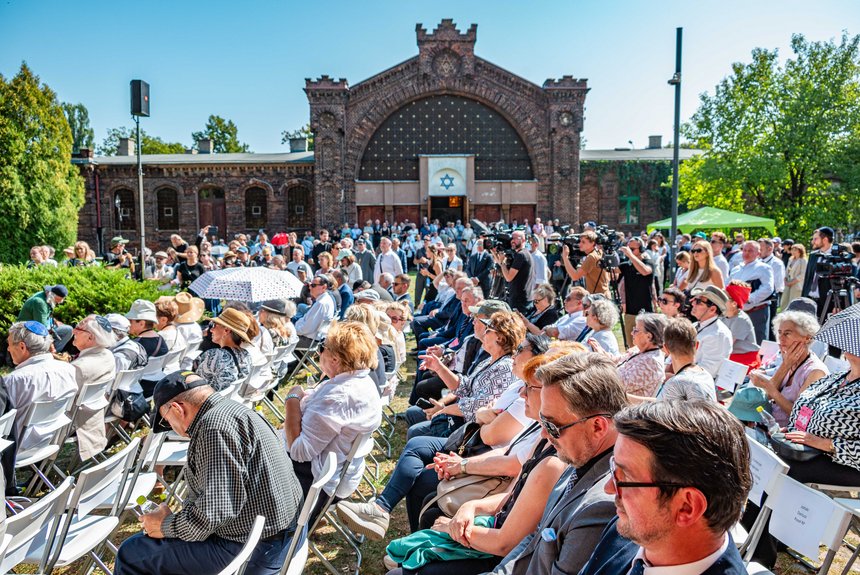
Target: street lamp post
{"points": [[140, 107], [676, 82]]}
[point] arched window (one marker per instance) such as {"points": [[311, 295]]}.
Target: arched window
{"points": [[168, 209], [446, 125], [124, 210], [255, 208]]}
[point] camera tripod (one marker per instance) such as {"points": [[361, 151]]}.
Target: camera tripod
{"points": [[840, 296]]}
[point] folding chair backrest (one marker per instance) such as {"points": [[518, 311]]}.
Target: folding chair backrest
{"points": [[34, 526], [7, 421], [238, 564], [151, 448], [172, 359], [105, 481], [47, 420], [127, 379], [804, 518], [190, 350], [153, 367], [765, 466], [326, 473], [93, 395]]}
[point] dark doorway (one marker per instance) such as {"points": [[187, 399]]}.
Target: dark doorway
{"points": [[212, 209], [446, 208]]}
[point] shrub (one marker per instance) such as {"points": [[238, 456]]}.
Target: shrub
{"points": [[91, 290]]}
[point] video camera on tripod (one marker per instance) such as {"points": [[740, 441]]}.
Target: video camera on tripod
{"points": [[837, 267], [607, 240]]}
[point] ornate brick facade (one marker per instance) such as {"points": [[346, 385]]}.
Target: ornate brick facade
{"points": [[549, 119]]}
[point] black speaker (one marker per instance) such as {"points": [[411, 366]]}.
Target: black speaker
{"points": [[139, 98]]}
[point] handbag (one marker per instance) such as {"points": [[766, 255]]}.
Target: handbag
{"points": [[791, 451], [129, 405], [466, 441], [452, 493]]}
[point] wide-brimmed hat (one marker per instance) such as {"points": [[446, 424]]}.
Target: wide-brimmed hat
{"points": [[367, 294], [160, 255], [235, 321], [488, 307], [190, 308], [275, 306], [713, 294], [142, 310], [745, 402]]}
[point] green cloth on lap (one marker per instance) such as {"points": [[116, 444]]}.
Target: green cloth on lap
{"points": [[426, 546]]}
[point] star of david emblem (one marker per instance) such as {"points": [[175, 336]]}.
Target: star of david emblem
{"points": [[447, 182]]}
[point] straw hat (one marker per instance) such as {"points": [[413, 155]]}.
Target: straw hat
{"points": [[235, 321], [190, 308]]}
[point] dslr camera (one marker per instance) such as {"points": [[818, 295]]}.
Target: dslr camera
{"points": [[836, 264]]}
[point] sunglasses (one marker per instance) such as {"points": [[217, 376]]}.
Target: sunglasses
{"points": [[620, 485], [521, 348], [697, 251], [702, 301], [554, 430], [321, 347], [665, 300], [487, 322]]}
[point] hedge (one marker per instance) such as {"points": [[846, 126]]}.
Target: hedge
{"points": [[91, 290]]}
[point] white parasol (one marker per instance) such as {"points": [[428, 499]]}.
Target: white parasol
{"points": [[247, 284]]}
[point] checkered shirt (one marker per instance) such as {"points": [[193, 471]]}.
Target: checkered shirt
{"points": [[236, 470]]}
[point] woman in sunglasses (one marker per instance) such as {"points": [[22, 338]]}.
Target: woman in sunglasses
{"points": [[703, 270]]}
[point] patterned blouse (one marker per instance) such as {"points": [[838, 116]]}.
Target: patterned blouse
{"points": [[641, 373], [487, 382], [835, 414], [223, 366]]}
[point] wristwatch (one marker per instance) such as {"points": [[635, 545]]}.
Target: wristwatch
{"points": [[463, 463], [294, 396]]}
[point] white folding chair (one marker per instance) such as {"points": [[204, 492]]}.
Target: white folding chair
{"points": [[81, 533], [297, 554], [852, 505], [92, 398], [7, 422], [139, 482], [45, 427], [189, 354], [30, 529], [803, 519], [125, 380], [238, 564], [765, 467], [161, 453], [153, 369]]}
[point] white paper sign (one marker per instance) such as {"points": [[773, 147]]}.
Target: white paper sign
{"points": [[768, 350], [799, 513], [731, 375], [763, 466]]}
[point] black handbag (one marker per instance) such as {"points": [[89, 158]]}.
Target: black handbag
{"points": [[129, 406], [466, 441]]}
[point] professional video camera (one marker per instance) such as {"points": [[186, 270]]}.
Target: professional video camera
{"points": [[835, 265], [607, 240]]}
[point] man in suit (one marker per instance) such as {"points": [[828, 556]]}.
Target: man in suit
{"points": [[815, 286], [400, 290], [478, 267], [584, 388], [680, 475]]}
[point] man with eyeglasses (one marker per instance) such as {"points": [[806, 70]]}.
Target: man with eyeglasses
{"points": [[400, 290], [713, 336], [314, 324], [572, 324], [580, 394], [672, 513]]}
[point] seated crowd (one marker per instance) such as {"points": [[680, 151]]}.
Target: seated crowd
{"points": [[538, 399]]}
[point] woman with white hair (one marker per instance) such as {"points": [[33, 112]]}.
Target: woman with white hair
{"points": [[602, 317], [93, 336], [799, 368]]}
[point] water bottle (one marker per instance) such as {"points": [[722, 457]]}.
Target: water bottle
{"points": [[768, 420], [145, 505]]}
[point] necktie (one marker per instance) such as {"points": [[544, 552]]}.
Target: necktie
{"points": [[570, 483], [638, 568]]}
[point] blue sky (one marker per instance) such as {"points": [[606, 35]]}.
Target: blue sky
{"points": [[247, 61]]}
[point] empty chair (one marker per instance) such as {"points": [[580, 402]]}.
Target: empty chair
{"points": [[237, 565]]}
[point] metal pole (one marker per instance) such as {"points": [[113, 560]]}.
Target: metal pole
{"points": [[676, 81], [140, 201]]}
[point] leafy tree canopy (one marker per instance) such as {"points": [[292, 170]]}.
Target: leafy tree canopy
{"points": [[79, 122], [149, 144], [224, 135], [782, 140], [40, 190]]}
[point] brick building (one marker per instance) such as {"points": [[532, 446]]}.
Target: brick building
{"points": [[444, 134]]}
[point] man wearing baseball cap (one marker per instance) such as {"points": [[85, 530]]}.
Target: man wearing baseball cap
{"points": [[713, 337], [236, 470], [40, 307]]}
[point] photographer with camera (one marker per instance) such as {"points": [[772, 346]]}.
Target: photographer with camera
{"points": [[517, 273], [118, 257], [596, 281], [636, 285], [818, 281]]}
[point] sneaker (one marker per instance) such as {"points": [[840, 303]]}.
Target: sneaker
{"points": [[389, 563], [364, 518]]}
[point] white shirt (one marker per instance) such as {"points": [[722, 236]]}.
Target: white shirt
{"points": [[175, 341], [193, 335], [714, 341], [387, 263], [39, 378], [333, 414], [314, 324], [723, 264], [756, 270], [570, 326], [293, 267], [778, 272], [694, 568], [607, 340], [539, 267]]}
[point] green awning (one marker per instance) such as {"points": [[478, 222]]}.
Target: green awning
{"points": [[712, 219]]}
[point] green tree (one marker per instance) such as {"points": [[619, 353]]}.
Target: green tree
{"points": [[79, 122], [777, 136], [149, 144], [224, 135], [304, 132], [40, 190]]}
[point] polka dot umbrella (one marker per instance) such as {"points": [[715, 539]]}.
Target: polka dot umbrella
{"points": [[842, 330], [247, 284]]}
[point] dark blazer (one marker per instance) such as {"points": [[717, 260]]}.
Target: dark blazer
{"points": [[614, 556], [578, 519], [479, 266], [823, 284]]}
